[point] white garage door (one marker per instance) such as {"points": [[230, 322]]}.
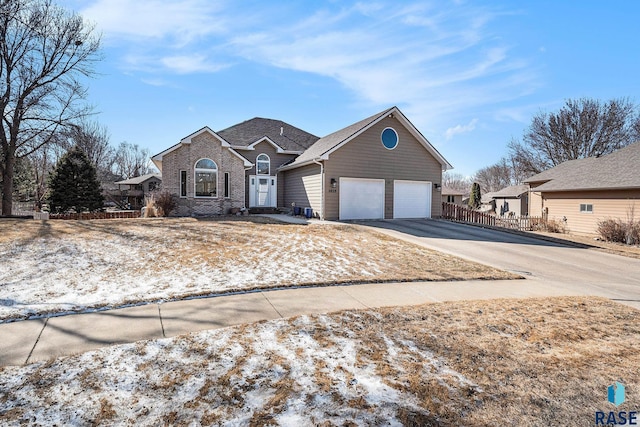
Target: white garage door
{"points": [[361, 198], [411, 199]]}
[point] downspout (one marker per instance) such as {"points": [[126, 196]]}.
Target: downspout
{"points": [[321, 187]]}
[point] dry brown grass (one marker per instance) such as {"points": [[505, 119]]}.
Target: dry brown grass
{"points": [[268, 253], [599, 245], [506, 362]]}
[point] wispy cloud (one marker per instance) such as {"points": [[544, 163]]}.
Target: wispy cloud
{"points": [[178, 22], [451, 132], [442, 62]]}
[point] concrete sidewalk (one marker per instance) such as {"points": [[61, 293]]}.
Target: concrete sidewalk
{"points": [[33, 340]]}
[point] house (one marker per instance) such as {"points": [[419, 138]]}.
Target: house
{"points": [[130, 193], [512, 201], [583, 192], [379, 167], [488, 203], [452, 195]]}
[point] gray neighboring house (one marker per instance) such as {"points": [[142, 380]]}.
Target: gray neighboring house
{"points": [[512, 201], [379, 167], [131, 192]]}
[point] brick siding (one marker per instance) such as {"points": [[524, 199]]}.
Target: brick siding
{"points": [[185, 157]]}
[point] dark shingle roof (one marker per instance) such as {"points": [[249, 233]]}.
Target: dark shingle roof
{"points": [[246, 133], [328, 142], [139, 179], [620, 169]]}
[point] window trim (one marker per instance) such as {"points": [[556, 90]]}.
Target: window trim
{"points": [[205, 170], [227, 186], [588, 208], [183, 184], [397, 137], [268, 161]]}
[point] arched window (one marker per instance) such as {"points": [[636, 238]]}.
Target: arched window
{"points": [[206, 178], [263, 165]]}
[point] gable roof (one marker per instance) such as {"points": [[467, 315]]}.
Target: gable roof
{"points": [[448, 191], [511, 191], [323, 147], [138, 179], [157, 159], [284, 135], [618, 170]]}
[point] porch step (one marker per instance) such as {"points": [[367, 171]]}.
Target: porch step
{"points": [[263, 210]]}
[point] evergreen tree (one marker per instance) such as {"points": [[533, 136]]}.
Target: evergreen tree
{"points": [[475, 196], [73, 184]]}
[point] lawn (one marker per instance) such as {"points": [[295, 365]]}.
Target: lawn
{"points": [[57, 266], [478, 363]]}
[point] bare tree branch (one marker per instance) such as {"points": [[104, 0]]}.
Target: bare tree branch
{"points": [[44, 50], [582, 128]]}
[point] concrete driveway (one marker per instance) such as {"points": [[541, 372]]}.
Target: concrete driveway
{"points": [[574, 269]]}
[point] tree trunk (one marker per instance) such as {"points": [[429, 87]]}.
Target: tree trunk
{"points": [[7, 182]]}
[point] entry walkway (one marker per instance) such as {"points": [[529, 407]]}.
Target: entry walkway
{"points": [[42, 339]]}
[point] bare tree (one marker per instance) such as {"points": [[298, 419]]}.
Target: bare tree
{"points": [[92, 138], [495, 177], [44, 50], [131, 160], [582, 128], [456, 181]]}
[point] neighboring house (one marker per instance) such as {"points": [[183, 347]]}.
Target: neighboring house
{"points": [[585, 191], [512, 201], [379, 167], [451, 195], [131, 192], [487, 203]]}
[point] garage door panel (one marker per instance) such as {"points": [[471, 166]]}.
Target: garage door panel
{"points": [[361, 198], [412, 199]]}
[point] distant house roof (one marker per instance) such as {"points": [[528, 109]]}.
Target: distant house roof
{"points": [[288, 137], [321, 149], [512, 191], [447, 191], [487, 198], [139, 179], [620, 169]]}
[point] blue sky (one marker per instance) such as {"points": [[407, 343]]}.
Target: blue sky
{"points": [[470, 75]]}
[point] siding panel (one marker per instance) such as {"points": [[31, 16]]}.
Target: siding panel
{"points": [[366, 157], [606, 205], [303, 187]]}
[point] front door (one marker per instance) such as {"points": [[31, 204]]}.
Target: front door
{"points": [[262, 191]]}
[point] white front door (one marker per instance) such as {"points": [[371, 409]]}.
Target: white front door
{"points": [[262, 191]]}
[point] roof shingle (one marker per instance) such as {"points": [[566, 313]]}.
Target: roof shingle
{"points": [[620, 169], [246, 133]]}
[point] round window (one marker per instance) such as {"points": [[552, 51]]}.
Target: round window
{"points": [[389, 138]]}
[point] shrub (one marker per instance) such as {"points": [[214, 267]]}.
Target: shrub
{"points": [[150, 207], [165, 202], [554, 226], [160, 203], [633, 233], [614, 230]]}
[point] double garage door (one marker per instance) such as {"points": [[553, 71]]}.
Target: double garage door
{"points": [[364, 199]]}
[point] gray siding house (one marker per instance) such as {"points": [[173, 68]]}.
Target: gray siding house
{"points": [[380, 167], [512, 201]]}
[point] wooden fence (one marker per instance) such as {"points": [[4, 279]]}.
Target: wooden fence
{"points": [[459, 213], [97, 215]]}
